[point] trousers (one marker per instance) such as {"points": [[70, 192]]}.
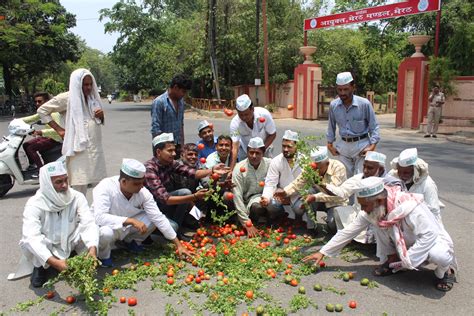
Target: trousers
{"points": [[38, 145], [434, 115]]}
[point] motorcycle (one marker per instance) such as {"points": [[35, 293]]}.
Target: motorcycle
{"points": [[11, 167]]}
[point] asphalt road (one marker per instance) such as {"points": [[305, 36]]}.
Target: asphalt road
{"points": [[127, 135]]}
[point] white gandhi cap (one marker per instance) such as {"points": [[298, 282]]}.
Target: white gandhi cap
{"points": [[375, 156], [320, 154], [55, 168], [256, 142], [290, 135], [163, 138], [344, 78], [243, 102], [408, 157], [202, 125], [370, 186], [133, 168]]}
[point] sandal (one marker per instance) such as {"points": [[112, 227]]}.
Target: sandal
{"points": [[383, 270], [447, 282]]}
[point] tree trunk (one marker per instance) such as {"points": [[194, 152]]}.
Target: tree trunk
{"points": [[8, 78]]}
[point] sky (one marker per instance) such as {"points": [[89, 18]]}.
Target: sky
{"points": [[88, 26]]}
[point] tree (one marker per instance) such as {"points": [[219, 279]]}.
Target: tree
{"points": [[34, 38]]}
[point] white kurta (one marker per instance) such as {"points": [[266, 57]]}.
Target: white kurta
{"points": [[246, 186], [111, 208], [88, 166], [427, 187], [279, 175], [240, 132], [43, 231], [424, 236]]}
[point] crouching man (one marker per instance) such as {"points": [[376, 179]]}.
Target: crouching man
{"points": [[407, 233], [126, 211], [56, 221]]}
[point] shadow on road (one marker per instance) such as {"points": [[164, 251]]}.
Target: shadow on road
{"points": [[21, 194]]}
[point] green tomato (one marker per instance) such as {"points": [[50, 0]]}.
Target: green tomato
{"points": [[330, 307], [318, 287], [338, 308]]}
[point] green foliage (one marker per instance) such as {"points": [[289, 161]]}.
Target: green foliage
{"points": [[442, 73], [34, 39]]}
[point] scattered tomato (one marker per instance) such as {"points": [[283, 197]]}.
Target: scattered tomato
{"points": [[261, 184], [197, 280], [351, 275], [286, 240], [147, 264], [170, 273], [242, 169], [229, 196], [200, 146], [115, 272], [215, 176], [226, 251], [279, 259], [50, 295], [202, 160], [322, 264], [352, 304], [261, 119], [123, 299], [70, 299], [249, 294], [314, 165], [132, 301], [228, 112], [248, 223], [290, 107], [301, 290], [294, 282], [170, 281]]}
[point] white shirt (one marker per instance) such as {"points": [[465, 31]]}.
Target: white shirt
{"points": [[239, 130], [112, 208], [279, 175], [214, 159], [420, 228]]}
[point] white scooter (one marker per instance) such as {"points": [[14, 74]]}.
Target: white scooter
{"points": [[10, 161]]}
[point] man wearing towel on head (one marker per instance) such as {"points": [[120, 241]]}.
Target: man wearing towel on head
{"points": [[357, 124], [407, 233], [125, 211], [247, 178], [82, 145], [56, 221], [413, 171], [331, 171], [250, 122], [282, 171]]}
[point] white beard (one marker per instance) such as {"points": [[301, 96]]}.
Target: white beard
{"points": [[377, 214], [65, 196]]}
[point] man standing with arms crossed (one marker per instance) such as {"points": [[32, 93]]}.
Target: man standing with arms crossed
{"points": [[358, 127]]}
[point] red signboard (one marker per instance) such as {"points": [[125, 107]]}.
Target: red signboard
{"points": [[388, 11]]}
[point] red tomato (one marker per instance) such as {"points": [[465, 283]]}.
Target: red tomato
{"points": [[286, 240], [279, 259], [170, 273], [226, 251], [70, 299], [211, 125], [200, 146], [228, 112], [202, 160], [248, 223], [201, 272], [294, 282], [147, 264], [215, 176], [170, 281], [123, 299], [249, 294], [273, 275], [115, 272], [242, 169], [352, 304], [261, 119], [261, 183], [229, 196], [314, 165], [50, 295], [290, 107], [197, 280], [132, 301], [220, 273], [322, 264], [351, 275]]}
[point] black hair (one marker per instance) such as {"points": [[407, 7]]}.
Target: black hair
{"points": [[190, 147], [44, 95], [182, 82], [226, 137], [125, 176]]}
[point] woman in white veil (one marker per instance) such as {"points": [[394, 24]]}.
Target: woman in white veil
{"points": [[82, 133]]}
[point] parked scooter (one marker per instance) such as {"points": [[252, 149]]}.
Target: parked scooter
{"points": [[10, 164]]}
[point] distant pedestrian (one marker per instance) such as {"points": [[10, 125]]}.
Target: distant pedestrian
{"points": [[167, 111], [436, 100], [355, 118]]}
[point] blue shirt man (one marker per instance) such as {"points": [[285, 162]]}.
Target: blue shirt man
{"points": [[167, 110], [355, 118], [208, 140]]}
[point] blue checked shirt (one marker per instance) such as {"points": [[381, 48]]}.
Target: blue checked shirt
{"points": [[164, 118], [357, 120]]}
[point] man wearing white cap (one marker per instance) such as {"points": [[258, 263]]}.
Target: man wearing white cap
{"points": [[56, 221], [250, 122], [282, 171], [174, 202], [413, 171], [331, 172], [357, 124], [125, 211], [248, 177], [208, 140], [407, 234]]}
